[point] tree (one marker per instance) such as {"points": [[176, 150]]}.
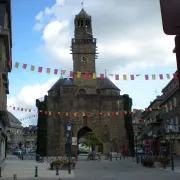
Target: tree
{"points": [[91, 140]]}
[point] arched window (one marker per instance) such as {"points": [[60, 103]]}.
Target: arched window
{"points": [[175, 102], [82, 91], [170, 105]]}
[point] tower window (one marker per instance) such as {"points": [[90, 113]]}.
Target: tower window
{"points": [[78, 23], [81, 22], [86, 23]]}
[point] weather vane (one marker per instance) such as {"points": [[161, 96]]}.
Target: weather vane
{"points": [[82, 4]]}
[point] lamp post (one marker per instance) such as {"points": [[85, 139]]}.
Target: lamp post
{"points": [[68, 135], [111, 149], [171, 149]]}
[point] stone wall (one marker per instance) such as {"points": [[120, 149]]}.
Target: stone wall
{"points": [[104, 126]]}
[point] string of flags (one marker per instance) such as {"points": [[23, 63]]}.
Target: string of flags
{"points": [[65, 114], [87, 75], [29, 117]]}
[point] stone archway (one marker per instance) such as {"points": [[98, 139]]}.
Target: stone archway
{"points": [[81, 133]]}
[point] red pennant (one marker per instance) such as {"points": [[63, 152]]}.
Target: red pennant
{"points": [[24, 66], [101, 76], [132, 77], [112, 113], [54, 113], [146, 77], [29, 110], [62, 113], [70, 114], [86, 75], [97, 113], [40, 69], [9, 62], [45, 112], [120, 113], [117, 76], [18, 108], [175, 75], [161, 76], [71, 74], [55, 71], [14, 108], [21, 109], [104, 113]]}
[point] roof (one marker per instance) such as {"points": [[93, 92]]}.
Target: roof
{"points": [[12, 117], [83, 14], [105, 83]]}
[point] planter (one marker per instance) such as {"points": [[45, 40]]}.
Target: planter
{"points": [[63, 167], [157, 164]]}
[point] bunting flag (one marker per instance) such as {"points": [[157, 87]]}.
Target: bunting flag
{"points": [[87, 75], [118, 113]]}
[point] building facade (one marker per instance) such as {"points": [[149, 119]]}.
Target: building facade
{"points": [[80, 95], [30, 137], [171, 112], [5, 68], [168, 112], [15, 131]]}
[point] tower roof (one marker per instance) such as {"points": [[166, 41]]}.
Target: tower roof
{"points": [[83, 14], [105, 83]]}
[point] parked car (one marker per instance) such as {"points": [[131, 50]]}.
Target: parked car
{"points": [[18, 151]]}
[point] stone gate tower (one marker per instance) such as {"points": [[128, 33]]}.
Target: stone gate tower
{"points": [[96, 99]]}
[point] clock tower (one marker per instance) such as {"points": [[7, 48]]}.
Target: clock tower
{"points": [[84, 53]]}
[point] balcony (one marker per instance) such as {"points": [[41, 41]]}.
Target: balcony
{"points": [[6, 84], [6, 34], [5, 76]]}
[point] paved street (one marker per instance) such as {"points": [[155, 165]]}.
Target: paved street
{"points": [[89, 170], [123, 169]]}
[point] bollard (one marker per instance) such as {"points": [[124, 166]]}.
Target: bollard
{"points": [[22, 157], [164, 165], [15, 177], [120, 157], [116, 158], [141, 159], [0, 171], [57, 172], [36, 171]]}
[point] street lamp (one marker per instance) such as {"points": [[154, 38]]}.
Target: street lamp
{"points": [[68, 135], [111, 149], [171, 149]]}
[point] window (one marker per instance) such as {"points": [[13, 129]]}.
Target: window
{"points": [[78, 23], [81, 22], [176, 120], [174, 102], [170, 105], [166, 107]]}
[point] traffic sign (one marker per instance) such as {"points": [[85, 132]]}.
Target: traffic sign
{"points": [[170, 11]]}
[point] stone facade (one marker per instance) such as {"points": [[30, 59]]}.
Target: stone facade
{"points": [[15, 131], [5, 68], [30, 137], [80, 94]]}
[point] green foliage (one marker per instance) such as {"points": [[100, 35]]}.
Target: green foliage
{"points": [[92, 140]]}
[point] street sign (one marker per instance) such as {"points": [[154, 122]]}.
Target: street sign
{"points": [[170, 11]]}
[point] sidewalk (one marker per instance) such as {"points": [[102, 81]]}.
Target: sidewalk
{"points": [[26, 169], [176, 169]]}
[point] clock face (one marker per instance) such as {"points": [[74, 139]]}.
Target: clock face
{"points": [[84, 59]]}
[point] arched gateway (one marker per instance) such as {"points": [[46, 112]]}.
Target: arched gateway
{"points": [[87, 101]]}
